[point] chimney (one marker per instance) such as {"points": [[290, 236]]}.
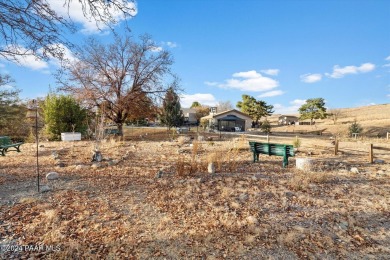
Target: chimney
{"points": [[213, 110]]}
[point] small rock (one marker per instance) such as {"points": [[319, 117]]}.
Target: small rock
{"points": [[113, 162], [54, 155], [200, 180], [96, 165], [81, 166], [159, 174], [52, 176], [97, 156], [343, 225], [379, 161], [211, 168], [60, 164], [243, 197], [252, 220], [354, 170], [289, 194], [380, 172], [44, 189]]}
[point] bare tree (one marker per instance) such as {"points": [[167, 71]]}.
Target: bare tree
{"points": [[118, 76], [34, 27], [224, 106], [335, 114]]}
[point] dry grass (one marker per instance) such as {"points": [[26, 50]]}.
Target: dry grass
{"points": [[244, 211], [374, 120]]}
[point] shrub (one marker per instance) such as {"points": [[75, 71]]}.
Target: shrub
{"points": [[63, 114], [355, 128], [297, 142], [266, 127]]}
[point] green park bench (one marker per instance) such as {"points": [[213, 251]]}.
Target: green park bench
{"points": [[111, 131], [272, 149], [6, 143]]}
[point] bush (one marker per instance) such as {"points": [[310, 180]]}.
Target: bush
{"points": [[266, 127], [63, 114], [355, 128], [297, 142]]}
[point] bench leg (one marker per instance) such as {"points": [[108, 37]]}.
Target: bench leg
{"points": [[255, 157], [2, 152], [285, 161]]}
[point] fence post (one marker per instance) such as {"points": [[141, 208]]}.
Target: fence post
{"points": [[336, 147], [371, 153], [388, 134]]}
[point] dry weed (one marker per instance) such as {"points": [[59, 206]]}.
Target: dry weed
{"points": [[302, 179], [183, 140], [180, 165]]}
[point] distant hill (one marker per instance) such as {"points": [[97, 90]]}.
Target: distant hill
{"points": [[374, 119]]}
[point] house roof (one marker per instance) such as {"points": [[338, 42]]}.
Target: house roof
{"points": [[226, 113], [231, 118], [288, 116]]}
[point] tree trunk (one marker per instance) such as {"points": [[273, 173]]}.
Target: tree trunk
{"points": [[120, 129]]}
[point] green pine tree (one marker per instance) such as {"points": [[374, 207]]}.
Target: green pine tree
{"points": [[172, 115]]}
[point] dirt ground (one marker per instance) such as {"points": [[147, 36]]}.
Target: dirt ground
{"points": [[155, 199]]}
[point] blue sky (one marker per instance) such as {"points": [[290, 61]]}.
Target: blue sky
{"points": [[279, 51]]}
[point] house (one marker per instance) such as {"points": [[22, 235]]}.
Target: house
{"points": [[230, 120], [189, 116], [287, 120]]}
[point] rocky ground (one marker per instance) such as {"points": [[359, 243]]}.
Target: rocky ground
{"points": [[156, 199]]}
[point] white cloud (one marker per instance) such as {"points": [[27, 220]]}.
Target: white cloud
{"points": [[298, 102], [311, 78], [156, 49], [89, 25], [171, 44], [6, 87], [252, 74], [271, 72], [388, 64], [68, 55], [32, 62], [204, 99], [211, 84], [249, 81], [271, 93], [27, 60], [292, 108], [339, 72]]}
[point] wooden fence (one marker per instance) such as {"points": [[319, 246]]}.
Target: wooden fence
{"points": [[371, 149]]}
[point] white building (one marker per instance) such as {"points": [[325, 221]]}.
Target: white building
{"points": [[230, 120]]}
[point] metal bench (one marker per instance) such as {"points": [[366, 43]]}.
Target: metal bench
{"points": [[272, 149], [6, 143], [111, 131]]}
